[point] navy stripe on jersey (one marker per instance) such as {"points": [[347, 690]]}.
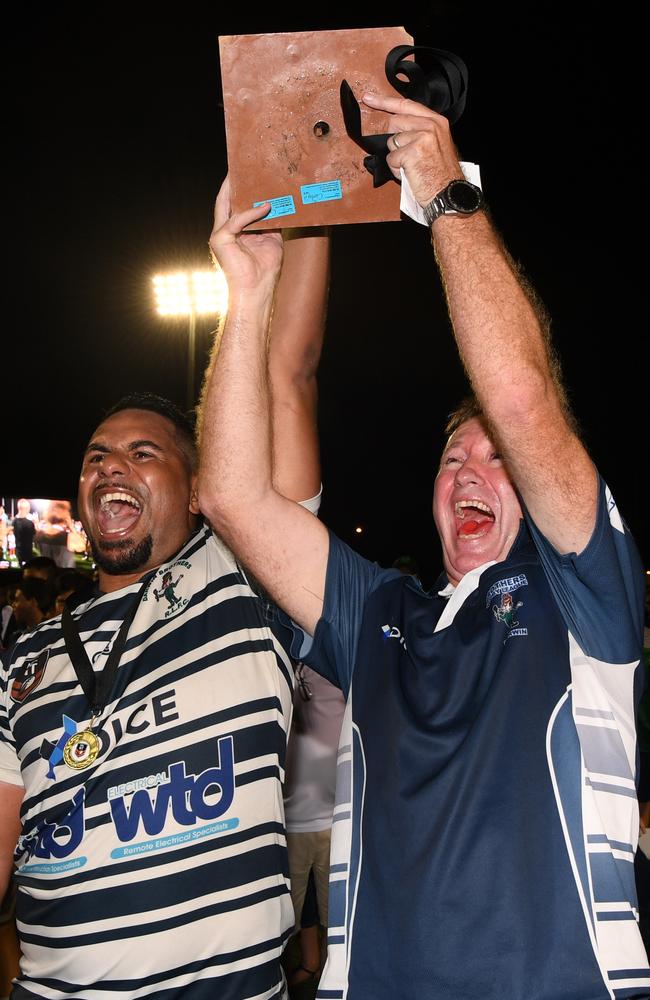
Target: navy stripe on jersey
{"points": [[603, 786], [143, 862], [191, 967], [213, 623], [183, 887], [229, 986], [262, 772], [156, 926]]}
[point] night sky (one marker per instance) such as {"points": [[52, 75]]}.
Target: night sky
{"points": [[118, 150]]}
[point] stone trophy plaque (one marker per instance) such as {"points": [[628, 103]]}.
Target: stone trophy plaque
{"points": [[285, 134]]}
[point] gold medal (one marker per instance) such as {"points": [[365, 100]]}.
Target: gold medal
{"points": [[81, 750]]}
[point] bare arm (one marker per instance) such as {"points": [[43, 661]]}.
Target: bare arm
{"points": [[11, 797], [297, 328], [284, 546], [502, 339]]}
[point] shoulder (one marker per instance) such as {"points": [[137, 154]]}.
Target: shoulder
{"points": [[345, 567]]}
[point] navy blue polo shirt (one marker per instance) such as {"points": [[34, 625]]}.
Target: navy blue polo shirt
{"points": [[486, 818]]}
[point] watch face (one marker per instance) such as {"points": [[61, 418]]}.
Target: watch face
{"points": [[463, 196]]}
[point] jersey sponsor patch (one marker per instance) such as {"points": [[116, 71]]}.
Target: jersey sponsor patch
{"points": [[29, 677]]}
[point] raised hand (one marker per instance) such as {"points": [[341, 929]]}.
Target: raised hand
{"points": [[421, 143], [250, 261]]}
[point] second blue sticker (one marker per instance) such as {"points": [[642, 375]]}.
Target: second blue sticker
{"points": [[327, 191]]}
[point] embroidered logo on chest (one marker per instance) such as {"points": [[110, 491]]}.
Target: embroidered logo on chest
{"points": [[505, 610], [392, 632], [167, 590]]}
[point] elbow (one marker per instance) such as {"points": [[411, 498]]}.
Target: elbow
{"points": [[530, 392], [216, 503], [219, 513], [230, 512], [289, 366]]}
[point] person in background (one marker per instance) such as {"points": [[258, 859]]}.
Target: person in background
{"points": [[53, 535], [32, 604], [309, 796], [42, 568], [4, 532], [72, 589], [25, 531]]}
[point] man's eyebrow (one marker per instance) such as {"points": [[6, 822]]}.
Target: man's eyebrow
{"points": [[144, 443], [132, 446], [96, 446]]}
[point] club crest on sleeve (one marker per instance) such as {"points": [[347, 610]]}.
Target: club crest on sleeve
{"points": [[29, 676]]}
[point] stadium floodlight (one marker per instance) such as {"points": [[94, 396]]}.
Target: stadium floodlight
{"points": [[191, 294]]}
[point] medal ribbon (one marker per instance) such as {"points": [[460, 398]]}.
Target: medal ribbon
{"points": [[97, 686]]}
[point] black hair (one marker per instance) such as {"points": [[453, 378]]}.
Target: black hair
{"points": [[44, 564], [183, 422], [35, 589]]}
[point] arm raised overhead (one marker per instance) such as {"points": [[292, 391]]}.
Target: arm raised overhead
{"points": [[502, 337], [282, 544]]}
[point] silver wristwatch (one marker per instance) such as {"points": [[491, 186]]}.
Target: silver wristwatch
{"points": [[459, 196]]}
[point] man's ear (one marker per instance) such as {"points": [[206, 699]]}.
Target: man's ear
{"points": [[194, 497]]}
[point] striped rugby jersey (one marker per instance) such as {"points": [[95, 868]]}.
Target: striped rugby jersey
{"points": [[160, 870], [486, 818]]}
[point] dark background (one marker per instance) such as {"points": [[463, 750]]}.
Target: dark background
{"points": [[118, 150]]}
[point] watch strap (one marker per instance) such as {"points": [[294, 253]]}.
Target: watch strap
{"points": [[442, 203], [435, 209]]}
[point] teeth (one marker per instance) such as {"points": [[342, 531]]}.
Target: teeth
{"points": [[476, 504], [124, 497]]}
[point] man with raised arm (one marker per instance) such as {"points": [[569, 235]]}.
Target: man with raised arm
{"points": [[486, 818], [143, 736]]}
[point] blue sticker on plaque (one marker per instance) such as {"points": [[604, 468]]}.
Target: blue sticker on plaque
{"points": [[279, 206], [327, 191]]}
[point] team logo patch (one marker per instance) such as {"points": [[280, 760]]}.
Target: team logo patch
{"points": [[103, 652], [505, 611], [29, 677], [167, 590], [392, 632]]}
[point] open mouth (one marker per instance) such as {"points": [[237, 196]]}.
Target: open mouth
{"points": [[117, 512], [474, 518]]}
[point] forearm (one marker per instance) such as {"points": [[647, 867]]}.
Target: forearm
{"points": [[297, 329], [300, 307], [11, 797], [235, 453], [501, 336], [501, 333], [284, 546]]}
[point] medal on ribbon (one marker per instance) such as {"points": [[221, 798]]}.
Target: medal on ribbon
{"points": [[81, 749]]}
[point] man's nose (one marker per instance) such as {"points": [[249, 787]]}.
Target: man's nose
{"points": [[113, 464], [468, 473]]}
